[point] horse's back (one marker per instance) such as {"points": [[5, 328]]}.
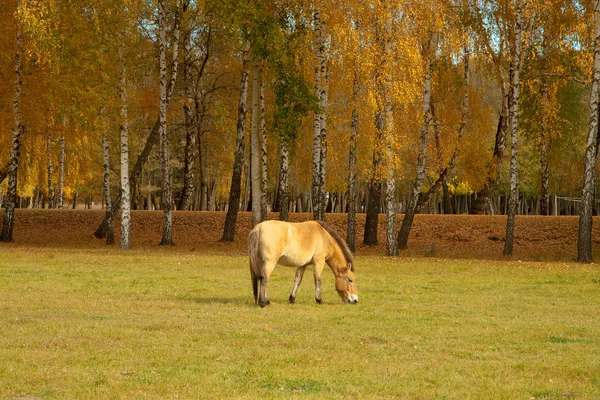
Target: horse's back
{"points": [[289, 243]]}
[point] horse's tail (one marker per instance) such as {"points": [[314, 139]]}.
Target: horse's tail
{"points": [[253, 241]]}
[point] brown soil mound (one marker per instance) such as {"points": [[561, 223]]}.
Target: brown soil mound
{"points": [[452, 236]]}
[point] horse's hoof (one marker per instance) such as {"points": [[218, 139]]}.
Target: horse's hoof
{"points": [[319, 301], [292, 300], [264, 303]]}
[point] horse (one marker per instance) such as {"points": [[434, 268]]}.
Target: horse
{"points": [[299, 245]]}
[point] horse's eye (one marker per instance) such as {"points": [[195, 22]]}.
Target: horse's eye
{"points": [[350, 280]]}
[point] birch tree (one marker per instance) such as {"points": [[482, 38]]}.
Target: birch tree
{"points": [[11, 194], [514, 126], [284, 166], [61, 170], [110, 236], [584, 238], [50, 170], [319, 150], [351, 229], [125, 190], [166, 193], [263, 152], [386, 114], [255, 146]]}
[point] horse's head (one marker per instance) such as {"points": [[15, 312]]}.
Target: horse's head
{"points": [[346, 286]]}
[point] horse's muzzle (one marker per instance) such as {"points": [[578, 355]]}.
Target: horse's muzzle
{"points": [[352, 299]]}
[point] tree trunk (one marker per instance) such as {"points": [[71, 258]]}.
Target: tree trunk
{"points": [[544, 195], [372, 220], [201, 158], [584, 240], [323, 147], [167, 236], [263, 152], [544, 144], [110, 235], [284, 196], [11, 192], [61, 172], [385, 87], [255, 147], [190, 136], [319, 151], [50, 172], [351, 231], [422, 157], [125, 200], [514, 126], [447, 199], [238, 163]]}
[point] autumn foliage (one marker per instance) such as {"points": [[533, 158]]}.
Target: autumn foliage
{"points": [[380, 58]]}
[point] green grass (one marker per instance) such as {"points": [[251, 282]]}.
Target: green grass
{"points": [[169, 324]]}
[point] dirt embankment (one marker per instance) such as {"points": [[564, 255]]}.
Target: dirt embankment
{"points": [[453, 236]]}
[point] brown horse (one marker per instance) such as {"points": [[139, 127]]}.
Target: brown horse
{"points": [[299, 245]]}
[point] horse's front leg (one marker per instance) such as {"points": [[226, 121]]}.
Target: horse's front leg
{"points": [[318, 271], [297, 281]]}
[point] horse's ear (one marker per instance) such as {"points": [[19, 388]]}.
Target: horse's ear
{"points": [[351, 266]]}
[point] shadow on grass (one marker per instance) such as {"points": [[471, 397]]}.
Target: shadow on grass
{"points": [[242, 301]]}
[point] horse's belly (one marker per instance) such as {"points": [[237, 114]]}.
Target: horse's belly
{"points": [[292, 260]]}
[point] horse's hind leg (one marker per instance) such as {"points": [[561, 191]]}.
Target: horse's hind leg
{"points": [[263, 299], [254, 285], [297, 281]]}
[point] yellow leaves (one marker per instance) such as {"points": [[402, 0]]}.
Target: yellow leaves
{"points": [[36, 17], [460, 188]]}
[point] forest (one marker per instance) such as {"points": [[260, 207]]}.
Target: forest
{"points": [[376, 107]]}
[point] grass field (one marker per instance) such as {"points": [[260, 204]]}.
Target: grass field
{"points": [[165, 323]]}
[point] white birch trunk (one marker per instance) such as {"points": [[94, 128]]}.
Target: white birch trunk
{"points": [[324, 97], [255, 147], [388, 126], [544, 140], [110, 236], [125, 189], [61, 171], [284, 196], [263, 152], [11, 193], [514, 126], [351, 229], [317, 142], [584, 240], [50, 170], [167, 237]]}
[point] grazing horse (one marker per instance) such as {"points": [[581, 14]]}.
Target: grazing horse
{"points": [[299, 245]]}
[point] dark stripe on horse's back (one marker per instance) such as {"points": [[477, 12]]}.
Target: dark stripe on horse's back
{"points": [[341, 242]]}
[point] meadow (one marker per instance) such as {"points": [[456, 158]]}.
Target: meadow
{"points": [[163, 323]]}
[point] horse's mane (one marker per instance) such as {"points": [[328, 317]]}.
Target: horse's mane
{"points": [[341, 242]]}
